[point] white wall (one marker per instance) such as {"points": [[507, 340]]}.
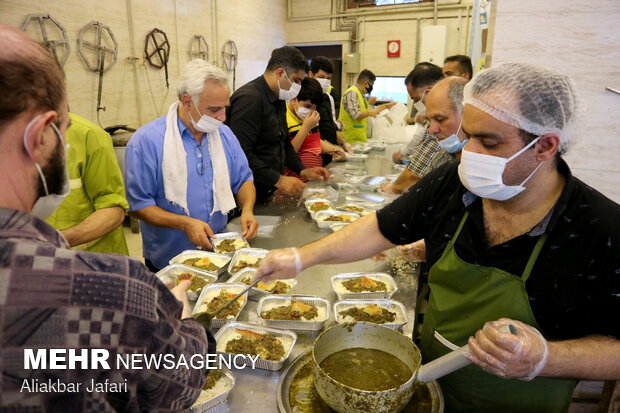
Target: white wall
{"points": [[581, 39], [133, 93], [375, 30]]}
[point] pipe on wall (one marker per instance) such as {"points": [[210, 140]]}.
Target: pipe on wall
{"points": [[387, 10], [214, 34], [418, 21], [134, 59]]}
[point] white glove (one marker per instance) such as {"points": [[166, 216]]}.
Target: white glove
{"points": [[415, 252], [280, 264], [522, 355]]}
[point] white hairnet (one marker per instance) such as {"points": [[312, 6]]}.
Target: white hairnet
{"points": [[533, 98]]}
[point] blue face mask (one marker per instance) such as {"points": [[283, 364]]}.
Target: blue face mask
{"points": [[452, 144]]}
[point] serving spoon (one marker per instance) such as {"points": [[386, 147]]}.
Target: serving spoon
{"points": [[206, 318]]}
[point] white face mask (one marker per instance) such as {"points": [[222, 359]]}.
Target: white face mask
{"points": [[452, 144], [302, 112], [419, 105], [205, 124], [482, 174], [46, 205], [325, 83], [291, 93]]}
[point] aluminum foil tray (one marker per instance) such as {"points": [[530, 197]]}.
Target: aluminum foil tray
{"points": [[245, 254], [322, 215], [218, 238], [221, 260], [282, 300], [214, 289], [257, 293], [168, 275], [342, 293], [390, 305], [216, 400], [288, 336]]}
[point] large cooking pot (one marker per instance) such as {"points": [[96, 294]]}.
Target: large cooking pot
{"points": [[345, 399]]}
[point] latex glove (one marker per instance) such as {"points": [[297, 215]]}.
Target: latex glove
{"points": [[379, 257], [416, 251], [507, 355], [280, 264], [347, 147]]}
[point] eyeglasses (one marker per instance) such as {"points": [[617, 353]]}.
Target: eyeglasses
{"points": [[200, 165]]}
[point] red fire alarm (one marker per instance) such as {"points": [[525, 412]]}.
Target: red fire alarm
{"points": [[393, 48]]}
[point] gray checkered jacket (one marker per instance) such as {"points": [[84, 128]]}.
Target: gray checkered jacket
{"points": [[55, 297]]}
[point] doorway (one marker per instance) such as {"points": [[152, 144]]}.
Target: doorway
{"points": [[334, 53]]}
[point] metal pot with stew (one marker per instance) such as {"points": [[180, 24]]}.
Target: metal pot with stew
{"points": [[365, 367]]}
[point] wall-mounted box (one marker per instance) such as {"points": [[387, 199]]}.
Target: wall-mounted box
{"points": [[351, 62], [433, 44]]}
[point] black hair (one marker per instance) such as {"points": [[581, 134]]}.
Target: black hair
{"points": [[423, 75], [321, 63], [366, 76], [424, 64], [288, 57], [311, 90], [463, 61]]}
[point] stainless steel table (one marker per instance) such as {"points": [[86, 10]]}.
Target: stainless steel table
{"points": [[256, 389]]}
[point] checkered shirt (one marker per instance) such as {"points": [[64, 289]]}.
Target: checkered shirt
{"points": [[55, 297], [427, 156]]}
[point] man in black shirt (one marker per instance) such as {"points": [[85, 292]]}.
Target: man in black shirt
{"points": [[257, 116], [511, 236], [322, 69]]}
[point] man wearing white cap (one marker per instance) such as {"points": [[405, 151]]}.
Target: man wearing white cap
{"points": [[184, 170], [512, 238]]}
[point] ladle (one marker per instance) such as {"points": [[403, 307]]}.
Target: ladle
{"points": [[206, 318]]}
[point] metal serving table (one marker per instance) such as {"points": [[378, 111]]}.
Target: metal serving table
{"points": [[256, 390]]}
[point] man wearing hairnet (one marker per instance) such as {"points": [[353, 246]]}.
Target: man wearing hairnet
{"points": [[513, 239]]}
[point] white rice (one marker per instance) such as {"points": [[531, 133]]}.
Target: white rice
{"points": [[237, 244], [250, 259], [290, 283], [399, 319], [214, 292], [220, 387], [324, 217], [340, 288], [231, 334], [322, 312], [220, 262], [364, 212]]}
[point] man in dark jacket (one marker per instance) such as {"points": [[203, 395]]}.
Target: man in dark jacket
{"points": [[322, 69], [257, 116]]}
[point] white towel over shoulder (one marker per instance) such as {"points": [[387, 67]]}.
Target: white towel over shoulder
{"points": [[174, 167]]}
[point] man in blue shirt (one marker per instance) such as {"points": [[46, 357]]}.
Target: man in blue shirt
{"points": [[184, 171]]}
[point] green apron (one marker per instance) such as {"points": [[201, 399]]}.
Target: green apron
{"points": [[354, 130], [463, 297]]}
